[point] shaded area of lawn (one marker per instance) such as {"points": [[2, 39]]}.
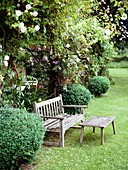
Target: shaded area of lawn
{"points": [[113, 155]]}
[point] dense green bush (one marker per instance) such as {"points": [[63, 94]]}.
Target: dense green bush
{"points": [[75, 94], [21, 135], [98, 85], [23, 99]]}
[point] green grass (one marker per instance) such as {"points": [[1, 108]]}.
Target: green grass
{"points": [[122, 64], [113, 155]]}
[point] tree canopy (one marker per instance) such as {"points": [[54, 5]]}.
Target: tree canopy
{"points": [[59, 41]]}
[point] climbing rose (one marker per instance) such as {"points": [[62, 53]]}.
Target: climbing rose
{"points": [[18, 13], [35, 13], [37, 27], [23, 29], [28, 6]]}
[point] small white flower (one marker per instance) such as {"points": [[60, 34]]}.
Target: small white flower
{"points": [[21, 24], [94, 41], [124, 16], [23, 29], [66, 25], [6, 57], [68, 45], [26, 10], [18, 5], [77, 60], [6, 63], [22, 88], [28, 6], [86, 66], [37, 27], [107, 31], [45, 58], [18, 13], [35, 13]]}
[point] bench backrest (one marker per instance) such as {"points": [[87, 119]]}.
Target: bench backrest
{"points": [[51, 107]]}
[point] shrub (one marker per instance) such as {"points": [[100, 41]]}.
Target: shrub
{"points": [[16, 98], [21, 135], [75, 94], [98, 85]]}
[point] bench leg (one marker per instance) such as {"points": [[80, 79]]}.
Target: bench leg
{"points": [[62, 133], [102, 136], [81, 134], [113, 126]]}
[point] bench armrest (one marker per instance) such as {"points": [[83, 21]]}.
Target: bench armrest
{"points": [[77, 106], [53, 117]]}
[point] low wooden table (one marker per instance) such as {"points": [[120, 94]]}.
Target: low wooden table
{"points": [[98, 122]]}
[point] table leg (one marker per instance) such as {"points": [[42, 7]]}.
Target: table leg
{"points": [[102, 135], [113, 125], [93, 129], [81, 134]]}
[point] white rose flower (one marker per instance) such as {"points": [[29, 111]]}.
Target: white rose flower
{"points": [[26, 10], [107, 31], [94, 41], [6, 57], [21, 24], [6, 63], [86, 66], [18, 13], [37, 27], [18, 5], [35, 13], [68, 45], [66, 25], [28, 6], [124, 16], [23, 29], [77, 60]]}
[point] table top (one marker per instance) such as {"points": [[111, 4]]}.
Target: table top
{"points": [[98, 121]]}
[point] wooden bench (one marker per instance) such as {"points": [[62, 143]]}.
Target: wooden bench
{"points": [[55, 120], [98, 122]]}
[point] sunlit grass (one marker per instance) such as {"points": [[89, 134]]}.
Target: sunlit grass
{"points": [[113, 155], [122, 64]]}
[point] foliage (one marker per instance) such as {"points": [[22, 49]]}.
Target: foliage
{"points": [[75, 94], [58, 41], [98, 85], [113, 15], [62, 49], [21, 136], [24, 99]]}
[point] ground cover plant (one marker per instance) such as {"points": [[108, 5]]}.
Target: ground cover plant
{"points": [[91, 155]]}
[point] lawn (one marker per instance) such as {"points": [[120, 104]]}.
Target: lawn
{"points": [[113, 155]]}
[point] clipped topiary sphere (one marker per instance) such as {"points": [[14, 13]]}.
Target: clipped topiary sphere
{"points": [[98, 85], [75, 94], [21, 135]]}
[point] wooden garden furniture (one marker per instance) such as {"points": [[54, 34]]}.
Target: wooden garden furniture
{"points": [[55, 120], [97, 122]]}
